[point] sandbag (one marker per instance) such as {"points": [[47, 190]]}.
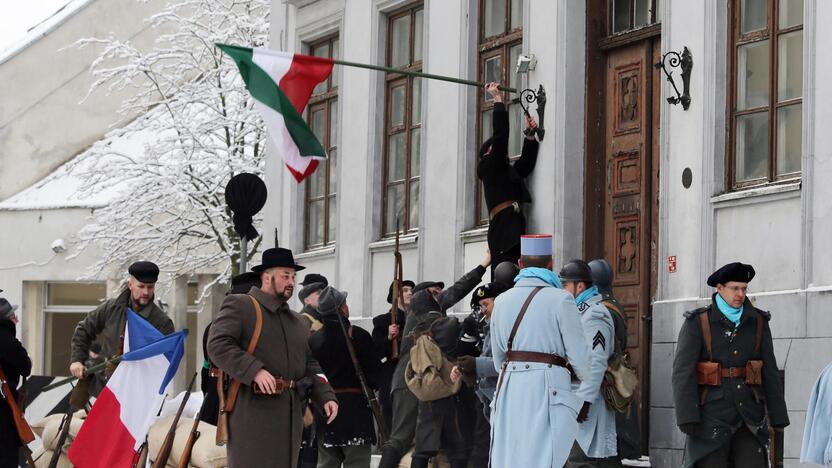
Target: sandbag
{"points": [[205, 454], [42, 461]]}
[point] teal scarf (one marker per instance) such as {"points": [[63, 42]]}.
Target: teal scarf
{"points": [[543, 274], [731, 313], [582, 297]]}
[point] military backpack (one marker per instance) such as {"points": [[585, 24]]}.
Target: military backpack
{"points": [[620, 380]]}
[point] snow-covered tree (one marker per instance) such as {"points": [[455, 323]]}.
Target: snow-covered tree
{"points": [[190, 111]]}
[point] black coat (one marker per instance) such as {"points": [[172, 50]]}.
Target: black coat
{"points": [[354, 424], [16, 364], [733, 403], [381, 323], [503, 181]]}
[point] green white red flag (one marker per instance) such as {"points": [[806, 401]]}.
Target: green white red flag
{"points": [[281, 83]]}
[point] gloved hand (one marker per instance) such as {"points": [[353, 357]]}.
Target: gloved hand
{"points": [[584, 413], [468, 366], [470, 326], [689, 428]]}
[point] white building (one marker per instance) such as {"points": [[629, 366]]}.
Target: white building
{"points": [[665, 194]]}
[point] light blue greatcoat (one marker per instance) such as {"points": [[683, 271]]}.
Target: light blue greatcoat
{"points": [[596, 435], [533, 415], [817, 434]]}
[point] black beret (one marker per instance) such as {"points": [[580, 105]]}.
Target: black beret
{"points": [[390, 289], [314, 278], [428, 284], [488, 290], [146, 272], [736, 271]]}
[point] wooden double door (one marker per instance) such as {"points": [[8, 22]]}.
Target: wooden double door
{"points": [[622, 190]]}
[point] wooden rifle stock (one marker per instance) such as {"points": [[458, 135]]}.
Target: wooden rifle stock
{"points": [[222, 416], [164, 452], [23, 429], [365, 387], [398, 277], [185, 458]]}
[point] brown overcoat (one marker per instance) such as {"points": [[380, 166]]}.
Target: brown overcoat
{"points": [[264, 431]]}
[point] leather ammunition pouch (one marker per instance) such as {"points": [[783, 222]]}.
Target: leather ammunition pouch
{"points": [[709, 373], [754, 372]]}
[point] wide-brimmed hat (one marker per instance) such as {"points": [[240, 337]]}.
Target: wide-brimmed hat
{"points": [[6, 309], [390, 290], [310, 289], [739, 272], [314, 278], [331, 300], [243, 282], [428, 284], [277, 257]]}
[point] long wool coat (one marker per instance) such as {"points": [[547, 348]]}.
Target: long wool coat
{"points": [[533, 417], [264, 431]]}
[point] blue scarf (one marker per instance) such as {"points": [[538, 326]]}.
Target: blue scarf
{"points": [[731, 313], [544, 274], [582, 297]]}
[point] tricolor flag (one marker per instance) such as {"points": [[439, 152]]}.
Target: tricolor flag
{"points": [[121, 416], [281, 84]]}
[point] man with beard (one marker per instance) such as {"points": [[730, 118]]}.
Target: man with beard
{"points": [[384, 332], [428, 296], [265, 426], [106, 323]]}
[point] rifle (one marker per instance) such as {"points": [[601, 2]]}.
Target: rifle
{"points": [[23, 430], [365, 387], [398, 277], [164, 452], [222, 417], [77, 399], [185, 458], [92, 370]]}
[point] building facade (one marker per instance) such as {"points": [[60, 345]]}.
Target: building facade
{"points": [[665, 193]]}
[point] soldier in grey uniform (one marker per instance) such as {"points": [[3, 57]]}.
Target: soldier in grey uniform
{"points": [[726, 385]]}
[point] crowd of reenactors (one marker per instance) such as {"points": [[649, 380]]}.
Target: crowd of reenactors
{"points": [[535, 376]]}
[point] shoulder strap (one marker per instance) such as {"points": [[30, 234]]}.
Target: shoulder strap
{"points": [[759, 337], [520, 317], [234, 388], [614, 308], [706, 333]]}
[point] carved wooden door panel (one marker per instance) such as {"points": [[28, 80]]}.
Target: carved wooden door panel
{"points": [[629, 241]]}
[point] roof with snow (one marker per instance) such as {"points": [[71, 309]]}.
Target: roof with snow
{"points": [[43, 28], [64, 187]]}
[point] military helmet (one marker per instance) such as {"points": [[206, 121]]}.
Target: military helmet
{"points": [[576, 270], [602, 275], [505, 273]]}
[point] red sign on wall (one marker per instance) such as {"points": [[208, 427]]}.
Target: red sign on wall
{"points": [[671, 264]]}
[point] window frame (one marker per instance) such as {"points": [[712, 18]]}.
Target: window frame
{"points": [[391, 81], [487, 48], [322, 101], [654, 17], [736, 39]]}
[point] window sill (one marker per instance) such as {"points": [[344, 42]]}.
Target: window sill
{"points": [[317, 252], [757, 194], [407, 241], [476, 234]]}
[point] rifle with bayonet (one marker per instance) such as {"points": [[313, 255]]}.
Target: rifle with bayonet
{"points": [[23, 430], [365, 387], [398, 277], [164, 452]]}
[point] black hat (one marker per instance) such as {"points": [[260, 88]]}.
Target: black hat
{"points": [[331, 300], [602, 275], [505, 272], [314, 278], [243, 282], [277, 257], [736, 271], [6, 309], [309, 289], [390, 289], [488, 290], [146, 272], [428, 284], [576, 270]]}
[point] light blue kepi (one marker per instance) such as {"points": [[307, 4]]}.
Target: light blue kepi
{"points": [[536, 244]]}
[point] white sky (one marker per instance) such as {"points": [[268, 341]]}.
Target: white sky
{"points": [[20, 15]]}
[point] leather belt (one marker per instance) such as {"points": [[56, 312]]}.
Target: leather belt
{"points": [[530, 356], [502, 206], [280, 384], [348, 390], [733, 372]]}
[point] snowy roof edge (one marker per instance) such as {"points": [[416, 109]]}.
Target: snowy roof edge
{"points": [[42, 29], [48, 207]]}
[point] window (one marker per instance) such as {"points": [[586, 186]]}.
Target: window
{"points": [[65, 305], [320, 203], [766, 91], [626, 15], [500, 43], [402, 122]]}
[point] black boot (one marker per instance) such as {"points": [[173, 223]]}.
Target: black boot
{"points": [[390, 457], [417, 462]]}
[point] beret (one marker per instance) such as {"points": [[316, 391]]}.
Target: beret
{"points": [[146, 272]]}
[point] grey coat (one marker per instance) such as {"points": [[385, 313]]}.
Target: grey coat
{"points": [[264, 430]]}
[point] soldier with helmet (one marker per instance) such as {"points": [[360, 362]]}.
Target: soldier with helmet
{"points": [[726, 385]]}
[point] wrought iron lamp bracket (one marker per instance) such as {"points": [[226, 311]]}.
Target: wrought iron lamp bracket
{"points": [[528, 96], [684, 62]]}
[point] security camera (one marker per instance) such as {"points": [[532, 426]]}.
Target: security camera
{"points": [[526, 63], [58, 246]]}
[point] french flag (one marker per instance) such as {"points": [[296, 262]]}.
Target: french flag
{"points": [[119, 420]]}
